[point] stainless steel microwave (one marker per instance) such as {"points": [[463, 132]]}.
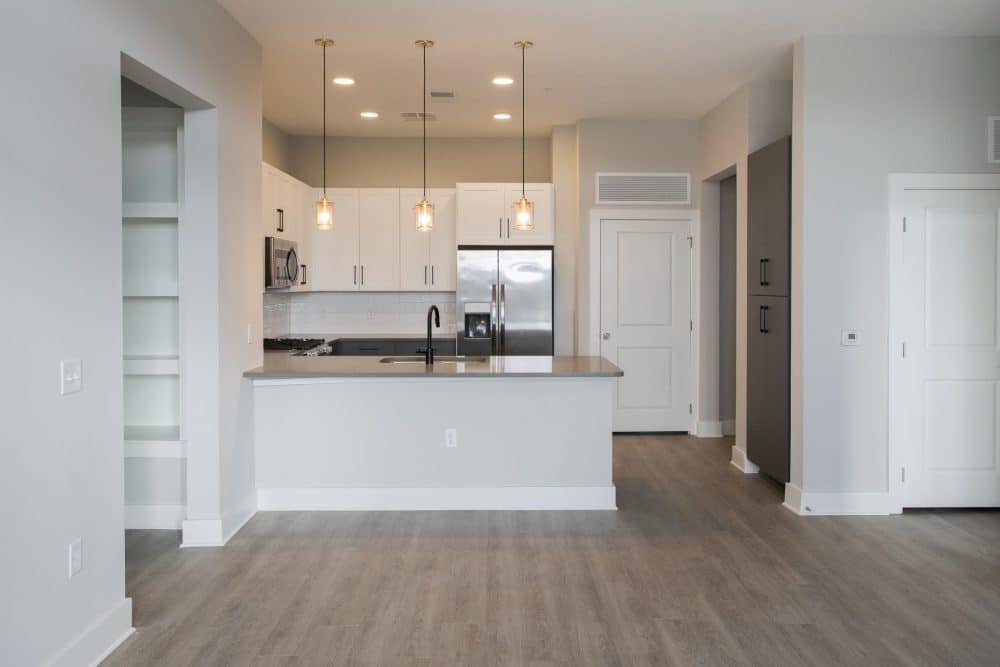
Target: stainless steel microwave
{"points": [[281, 263]]}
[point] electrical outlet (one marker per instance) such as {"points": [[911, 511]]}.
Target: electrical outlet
{"points": [[70, 376], [75, 557], [450, 438]]}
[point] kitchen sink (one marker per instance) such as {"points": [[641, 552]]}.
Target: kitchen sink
{"points": [[438, 359]]}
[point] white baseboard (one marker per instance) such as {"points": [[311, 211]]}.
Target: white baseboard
{"points": [[709, 429], [157, 517], [396, 499], [805, 503], [97, 642], [728, 427], [202, 533], [232, 522], [742, 463]]}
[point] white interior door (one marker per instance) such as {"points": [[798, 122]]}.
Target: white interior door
{"points": [[948, 375], [646, 321]]}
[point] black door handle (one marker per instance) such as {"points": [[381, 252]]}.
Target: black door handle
{"points": [[763, 271], [762, 320]]}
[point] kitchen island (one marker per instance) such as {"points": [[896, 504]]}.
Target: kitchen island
{"points": [[353, 433]]}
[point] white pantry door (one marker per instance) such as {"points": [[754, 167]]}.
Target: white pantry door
{"points": [[949, 373], [646, 320]]}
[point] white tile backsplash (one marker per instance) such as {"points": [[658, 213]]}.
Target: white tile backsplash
{"points": [[357, 312]]}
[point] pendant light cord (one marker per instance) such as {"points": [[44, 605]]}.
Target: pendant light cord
{"points": [[423, 116], [324, 121], [523, 49]]}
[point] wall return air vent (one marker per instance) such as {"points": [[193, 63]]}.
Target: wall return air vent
{"points": [[643, 189], [416, 115], [993, 132]]}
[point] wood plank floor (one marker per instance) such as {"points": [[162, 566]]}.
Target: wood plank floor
{"points": [[700, 565]]}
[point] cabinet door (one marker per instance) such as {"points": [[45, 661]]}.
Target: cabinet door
{"points": [[443, 250], [334, 253], [414, 246], [379, 238], [768, 408], [480, 209], [271, 192], [769, 173], [305, 221], [544, 231]]}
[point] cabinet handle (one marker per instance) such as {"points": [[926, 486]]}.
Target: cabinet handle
{"points": [[281, 219], [762, 320], [763, 271], [304, 268], [425, 274], [355, 274], [362, 274], [508, 228], [501, 226], [432, 274]]}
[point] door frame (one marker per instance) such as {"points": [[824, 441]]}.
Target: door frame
{"points": [[899, 184], [593, 319]]}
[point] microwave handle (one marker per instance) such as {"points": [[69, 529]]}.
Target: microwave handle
{"points": [[281, 219]]}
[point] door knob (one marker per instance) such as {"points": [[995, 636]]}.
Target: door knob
{"points": [[606, 335]]}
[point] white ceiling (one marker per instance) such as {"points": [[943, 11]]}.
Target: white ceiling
{"points": [[612, 59]]}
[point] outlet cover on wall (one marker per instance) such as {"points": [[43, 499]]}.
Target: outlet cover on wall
{"points": [[70, 376], [450, 438], [850, 337]]}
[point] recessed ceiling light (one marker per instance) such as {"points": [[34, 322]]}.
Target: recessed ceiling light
{"points": [[369, 114], [501, 116], [502, 81], [343, 80]]}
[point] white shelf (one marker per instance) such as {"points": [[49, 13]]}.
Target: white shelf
{"points": [[146, 210], [152, 364], [150, 290], [155, 449], [135, 433]]}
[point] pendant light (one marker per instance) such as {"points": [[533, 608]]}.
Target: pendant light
{"points": [[324, 207], [424, 213], [524, 210]]}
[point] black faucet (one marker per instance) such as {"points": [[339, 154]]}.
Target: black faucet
{"points": [[429, 352]]}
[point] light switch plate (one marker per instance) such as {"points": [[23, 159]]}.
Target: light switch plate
{"points": [[850, 337], [75, 557], [450, 438], [70, 376]]}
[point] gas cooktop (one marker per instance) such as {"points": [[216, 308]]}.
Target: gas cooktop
{"points": [[291, 343]]}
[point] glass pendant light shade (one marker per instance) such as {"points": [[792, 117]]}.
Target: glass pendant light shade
{"points": [[524, 215], [425, 216], [324, 214]]}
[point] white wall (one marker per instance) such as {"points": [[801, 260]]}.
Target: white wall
{"points": [[62, 473], [870, 106], [276, 147], [728, 325], [566, 183]]}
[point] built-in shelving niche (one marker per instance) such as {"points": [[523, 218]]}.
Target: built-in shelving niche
{"points": [[151, 209]]}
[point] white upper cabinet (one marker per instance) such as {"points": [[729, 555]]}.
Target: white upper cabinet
{"points": [[485, 214], [286, 213], [378, 238], [427, 260], [334, 252]]}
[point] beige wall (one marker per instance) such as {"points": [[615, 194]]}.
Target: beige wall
{"points": [[358, 162], [276, 147], [620, 145]]}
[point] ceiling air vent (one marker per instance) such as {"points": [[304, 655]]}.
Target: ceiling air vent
{"points": [[416, 115], [993, 150], [638, 189]]}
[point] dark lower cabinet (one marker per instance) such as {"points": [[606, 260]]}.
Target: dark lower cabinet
{"points": [[385, 347], [768, 372]]}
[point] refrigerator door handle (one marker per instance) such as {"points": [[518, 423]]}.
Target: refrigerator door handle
{"points": [[493, 320], [503, 318]]}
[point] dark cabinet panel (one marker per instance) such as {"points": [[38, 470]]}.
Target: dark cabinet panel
{"points": [[386, 347], [444, 346], [359, 347], [768, 409], [769, 218]]}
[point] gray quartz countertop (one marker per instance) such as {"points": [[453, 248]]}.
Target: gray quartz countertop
{"points": [[282, 365]]}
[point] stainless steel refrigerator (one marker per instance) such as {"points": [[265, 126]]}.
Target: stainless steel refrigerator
{"points": [[504, 301]]}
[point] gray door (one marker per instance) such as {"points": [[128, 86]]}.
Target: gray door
{"points": [[475, 300], [525, 303], [768, 384], [769, 218]]}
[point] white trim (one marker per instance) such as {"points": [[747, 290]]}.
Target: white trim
{"points": [[602, 202], [728, 427], [709, 429], [899, 184], [150, 209], [154, 517], [234, 521], [151, 449], [202, 533], [397, 499], [593, 325], [740, 461], [838, 504], [99, 640], [991, 140]]}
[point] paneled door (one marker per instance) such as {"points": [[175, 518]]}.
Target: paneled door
{"points": [[378, 238], [947, 372], [335, 261], [646, 321]]}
